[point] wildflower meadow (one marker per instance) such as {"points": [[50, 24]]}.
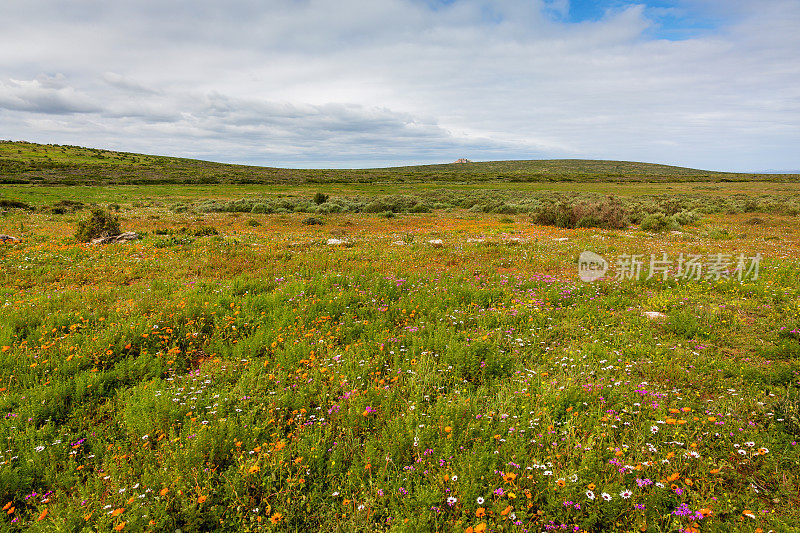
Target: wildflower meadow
{"points": [[439, 370]]}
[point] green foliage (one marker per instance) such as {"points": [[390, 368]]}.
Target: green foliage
{"points": [[320, 198], [100, 223], [658, 222], [7, 203], [606, 213]]}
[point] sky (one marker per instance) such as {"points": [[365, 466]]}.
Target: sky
{"points": [[709, 84]]}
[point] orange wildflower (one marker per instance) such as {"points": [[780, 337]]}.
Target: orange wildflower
{"points": [[41, 516], [275, 518]]}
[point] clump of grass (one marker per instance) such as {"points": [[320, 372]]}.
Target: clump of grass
{"points": [[787, 409], [66, 206]]}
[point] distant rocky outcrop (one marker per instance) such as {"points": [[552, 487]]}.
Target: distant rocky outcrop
{"points": [[462, 160], [122, 237]]}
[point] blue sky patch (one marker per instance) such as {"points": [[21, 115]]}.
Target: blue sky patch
{"points": [[672, 20]]}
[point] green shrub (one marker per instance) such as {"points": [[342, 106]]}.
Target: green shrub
{"points": [[204, 231], [320, 198], [375, 207], [6, 203], [606, 213], [657, 222], [262, 208], [329, 207], [686, 218], [100, 223]]}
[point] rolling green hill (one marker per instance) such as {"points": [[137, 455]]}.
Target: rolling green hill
{"points": [[29, 163]]}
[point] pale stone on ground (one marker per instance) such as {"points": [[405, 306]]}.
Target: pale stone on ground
{"points": [[122, 237]]}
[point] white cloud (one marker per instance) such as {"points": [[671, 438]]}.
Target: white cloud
{"points": [[352, 83], [47, 95]]}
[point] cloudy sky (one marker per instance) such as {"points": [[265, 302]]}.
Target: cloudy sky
{"points": [[711, 84]]}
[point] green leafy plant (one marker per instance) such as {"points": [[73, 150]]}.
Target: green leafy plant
{"points": [[100, 223]]}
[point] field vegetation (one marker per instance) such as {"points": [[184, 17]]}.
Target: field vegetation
{"points": [[414, 360], [22, 162]]}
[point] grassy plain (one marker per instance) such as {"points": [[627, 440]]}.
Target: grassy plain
{"points": [[232, 371]]}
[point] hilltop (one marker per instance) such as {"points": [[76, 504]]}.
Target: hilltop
{"points": [[30, 163]]}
